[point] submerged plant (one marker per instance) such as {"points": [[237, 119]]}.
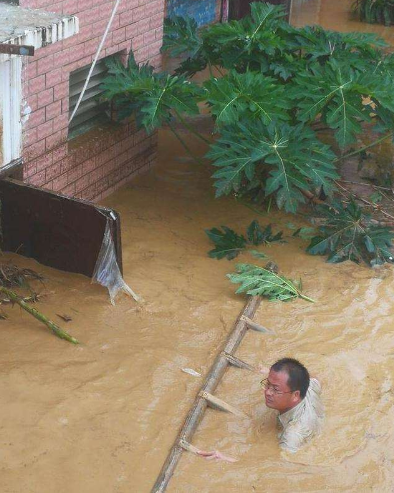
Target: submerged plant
{"points": [[277, 87], [257, 281], [375, 11], [348, 234], [228, 244]]}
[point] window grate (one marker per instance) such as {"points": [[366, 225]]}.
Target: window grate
{"points": [[91, 111]]}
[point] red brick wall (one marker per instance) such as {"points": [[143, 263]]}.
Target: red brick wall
{"points": [[86, 167]]}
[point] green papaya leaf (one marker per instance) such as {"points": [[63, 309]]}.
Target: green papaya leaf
{"points": [[257, 281], [228, 244]]}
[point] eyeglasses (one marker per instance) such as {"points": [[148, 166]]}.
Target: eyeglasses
{"points": [[268, 386]]}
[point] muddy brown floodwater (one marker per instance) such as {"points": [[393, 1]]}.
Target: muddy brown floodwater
{"points": [[101, 417]]}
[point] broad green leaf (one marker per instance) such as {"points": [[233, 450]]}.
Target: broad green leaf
{"points": [[228, 244], [332, 90], [258, 236], [292, 156], [348, 234], [251, 95], [258, 254], [257, 281]]}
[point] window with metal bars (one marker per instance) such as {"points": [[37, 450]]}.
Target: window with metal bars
{"points": [[92, 110]]}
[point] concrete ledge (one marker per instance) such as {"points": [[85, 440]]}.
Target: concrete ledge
{"points": [[32, 27]]}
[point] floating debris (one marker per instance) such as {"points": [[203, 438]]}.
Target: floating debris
{"points": [[192, 372]]}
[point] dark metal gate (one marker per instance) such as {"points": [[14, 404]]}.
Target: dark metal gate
{"points": [[239, 8], [55, 230]]}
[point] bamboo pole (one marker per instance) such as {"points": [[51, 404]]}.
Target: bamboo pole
{"points": [[200, 403], [39, 316]]}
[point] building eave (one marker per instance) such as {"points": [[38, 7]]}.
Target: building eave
{"points": [[33, 27]]}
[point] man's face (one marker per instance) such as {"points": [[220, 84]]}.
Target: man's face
{"points": [[278, 394]]}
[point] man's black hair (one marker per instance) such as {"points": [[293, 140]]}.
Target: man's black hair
{"points": [[298, 374]]}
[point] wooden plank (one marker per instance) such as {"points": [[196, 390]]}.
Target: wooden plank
{"points": [[255, 326], [11, 49], [200, 403], [220, 404]]}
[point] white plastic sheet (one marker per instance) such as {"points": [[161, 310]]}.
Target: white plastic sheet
{"points": [[107, 272]]}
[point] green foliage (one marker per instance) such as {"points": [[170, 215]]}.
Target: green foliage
{"points": [[227, 243], [181, 36], [257, 236], [292, 158], [349, 234], [277, 84], [153, 97], [257, 281], [375, 11], [249, 96]]}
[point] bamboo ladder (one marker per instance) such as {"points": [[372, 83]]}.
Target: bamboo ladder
{"points": [[205, 396]]}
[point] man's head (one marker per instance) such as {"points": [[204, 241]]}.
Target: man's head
{"points": [[286, 385]]}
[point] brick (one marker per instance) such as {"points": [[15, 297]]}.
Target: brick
{"points": [[60, 153], [52, 172], [126, 18], [54, 140], [127, 5], [156, 21], [99, 26], [69, 190], [61, 91], [70, 6], [37, 84], [149, 37], [53, 78], [91, 46], [140, 13], [34, 150], [38, 179], [73, 40], [104, 11], [31, 102], [154, 48], [44, 161], [137, 42], [36, 118], [31, 70], [84, 5], [77, 52], [53, 110], [65, 105], [44, 65], [111, 51], [45, 97], [143, 26], [29, 169], [45, 129], [119, 35], [60, 182], [89, 165], [30, 137], [60, 122], [82, 183], [62, 58]]}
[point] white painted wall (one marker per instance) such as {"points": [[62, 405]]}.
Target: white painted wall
{"points": [[10, 108]]}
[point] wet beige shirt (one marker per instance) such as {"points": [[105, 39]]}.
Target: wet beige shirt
{"points": [[303, 421]]}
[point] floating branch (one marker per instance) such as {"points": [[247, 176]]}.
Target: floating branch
{"points": [[39, 316]]}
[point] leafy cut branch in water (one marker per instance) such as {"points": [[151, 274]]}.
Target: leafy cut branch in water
{"points": [[257, 281], [349, 234], [228, 244], [257, 236]]}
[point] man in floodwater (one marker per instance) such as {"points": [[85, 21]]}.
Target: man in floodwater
{"points": [[296, 396]]}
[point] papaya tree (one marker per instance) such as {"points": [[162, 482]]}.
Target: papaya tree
{"points": [[271, 91]]}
